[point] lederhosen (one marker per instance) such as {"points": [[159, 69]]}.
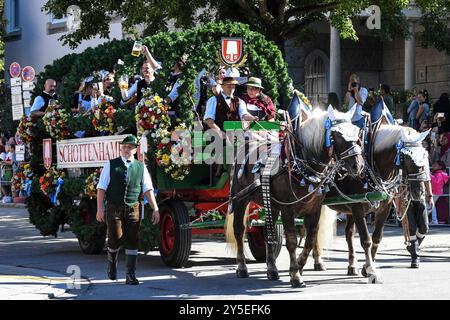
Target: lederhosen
{"points": [[123, 219], [225, 112], [47, 98]]}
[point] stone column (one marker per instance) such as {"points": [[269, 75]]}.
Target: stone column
{"points": [[335, 62], [410, 58]]}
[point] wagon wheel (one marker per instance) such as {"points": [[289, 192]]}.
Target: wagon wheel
{"points": [[175, 242], [257, 243], [95, 245]]}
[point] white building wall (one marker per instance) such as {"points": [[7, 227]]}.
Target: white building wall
{"points": [[34, 45]]}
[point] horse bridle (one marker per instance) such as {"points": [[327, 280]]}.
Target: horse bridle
{"points": [[419, 176], [352, 151]]}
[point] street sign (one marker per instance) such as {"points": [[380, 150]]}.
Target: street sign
{"points": [[16, 82], [47, 153], [17, 111], [28, 86], [231, 50], [16, 90], [26, 95], [16, 99], [14, 70], [26, 103], [20, 153], [28, 73]]}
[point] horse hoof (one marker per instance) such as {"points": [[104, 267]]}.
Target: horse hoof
{"points": [[364, 272], [319, 267], [296, 283], [242, 273], [273, 276], [375, 279], [352, 271]]}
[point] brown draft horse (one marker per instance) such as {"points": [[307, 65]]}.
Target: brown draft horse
{"points": [[389, 156], [288, 194]]}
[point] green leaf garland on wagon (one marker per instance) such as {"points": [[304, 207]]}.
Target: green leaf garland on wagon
{"points": [[202, 43]]}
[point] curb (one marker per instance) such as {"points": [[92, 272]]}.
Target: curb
{"points": [[13, 205]]}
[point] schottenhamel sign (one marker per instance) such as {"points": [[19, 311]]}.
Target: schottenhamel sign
{"points": [[87, 152]]}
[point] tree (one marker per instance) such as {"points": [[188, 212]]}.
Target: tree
{"points": [[276, 19]]}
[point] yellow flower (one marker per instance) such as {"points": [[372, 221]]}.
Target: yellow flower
{"points": [[165, 159], [157, 99]]}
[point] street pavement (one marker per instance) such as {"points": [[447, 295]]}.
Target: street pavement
{"points": [[39, 268]]}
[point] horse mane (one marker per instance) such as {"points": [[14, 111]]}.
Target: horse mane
{"points": [[388, 135], [312, 131]]}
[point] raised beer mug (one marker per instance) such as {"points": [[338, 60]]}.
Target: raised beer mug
{"points": [[136, 49]]}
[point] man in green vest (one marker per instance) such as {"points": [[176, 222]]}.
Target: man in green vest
{"points": [[121, 183]]}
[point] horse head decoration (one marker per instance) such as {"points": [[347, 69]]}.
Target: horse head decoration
{"points": [[413, 159], [402, 148], [340, 137]]}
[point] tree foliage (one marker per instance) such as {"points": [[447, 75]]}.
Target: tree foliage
{"points": [[264, 60], [277, 19]]}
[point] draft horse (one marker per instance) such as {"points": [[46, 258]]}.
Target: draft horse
{"points": [[397, 168], [313, 152]]}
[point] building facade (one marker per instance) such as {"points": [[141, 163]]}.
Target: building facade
{"points": [[324, 64], [32, 35]]}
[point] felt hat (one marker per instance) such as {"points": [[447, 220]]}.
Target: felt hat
{"points": [[131, 139], [254, 82]]}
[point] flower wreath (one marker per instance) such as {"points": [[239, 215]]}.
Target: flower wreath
{"points": [[25, 128], [173, 152], [153, 120], [51, 183], [104, 117], [18, 182], [55, 123], [91, 181], [152, 115]]}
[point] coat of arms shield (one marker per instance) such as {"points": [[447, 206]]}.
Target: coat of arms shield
{"points": [[47, 153], [231, 50]]}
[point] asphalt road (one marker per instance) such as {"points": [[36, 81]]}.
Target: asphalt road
{"points": [[35, 267]]}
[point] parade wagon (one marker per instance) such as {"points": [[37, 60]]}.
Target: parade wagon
{"points": [[193, 198]]}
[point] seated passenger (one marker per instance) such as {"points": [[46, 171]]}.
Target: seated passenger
{"points": [[86, 99], [226, 107], [258, 104]]}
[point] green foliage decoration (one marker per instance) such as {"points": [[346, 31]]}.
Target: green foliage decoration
{"points": [[264, 60]]}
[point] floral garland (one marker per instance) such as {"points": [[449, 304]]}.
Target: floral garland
{"points": [[171, 152], [18, 182], [55, 123], [51, 182], [104, 117], [152, 115], [25, 128], [90, 189], [153, 120]]}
